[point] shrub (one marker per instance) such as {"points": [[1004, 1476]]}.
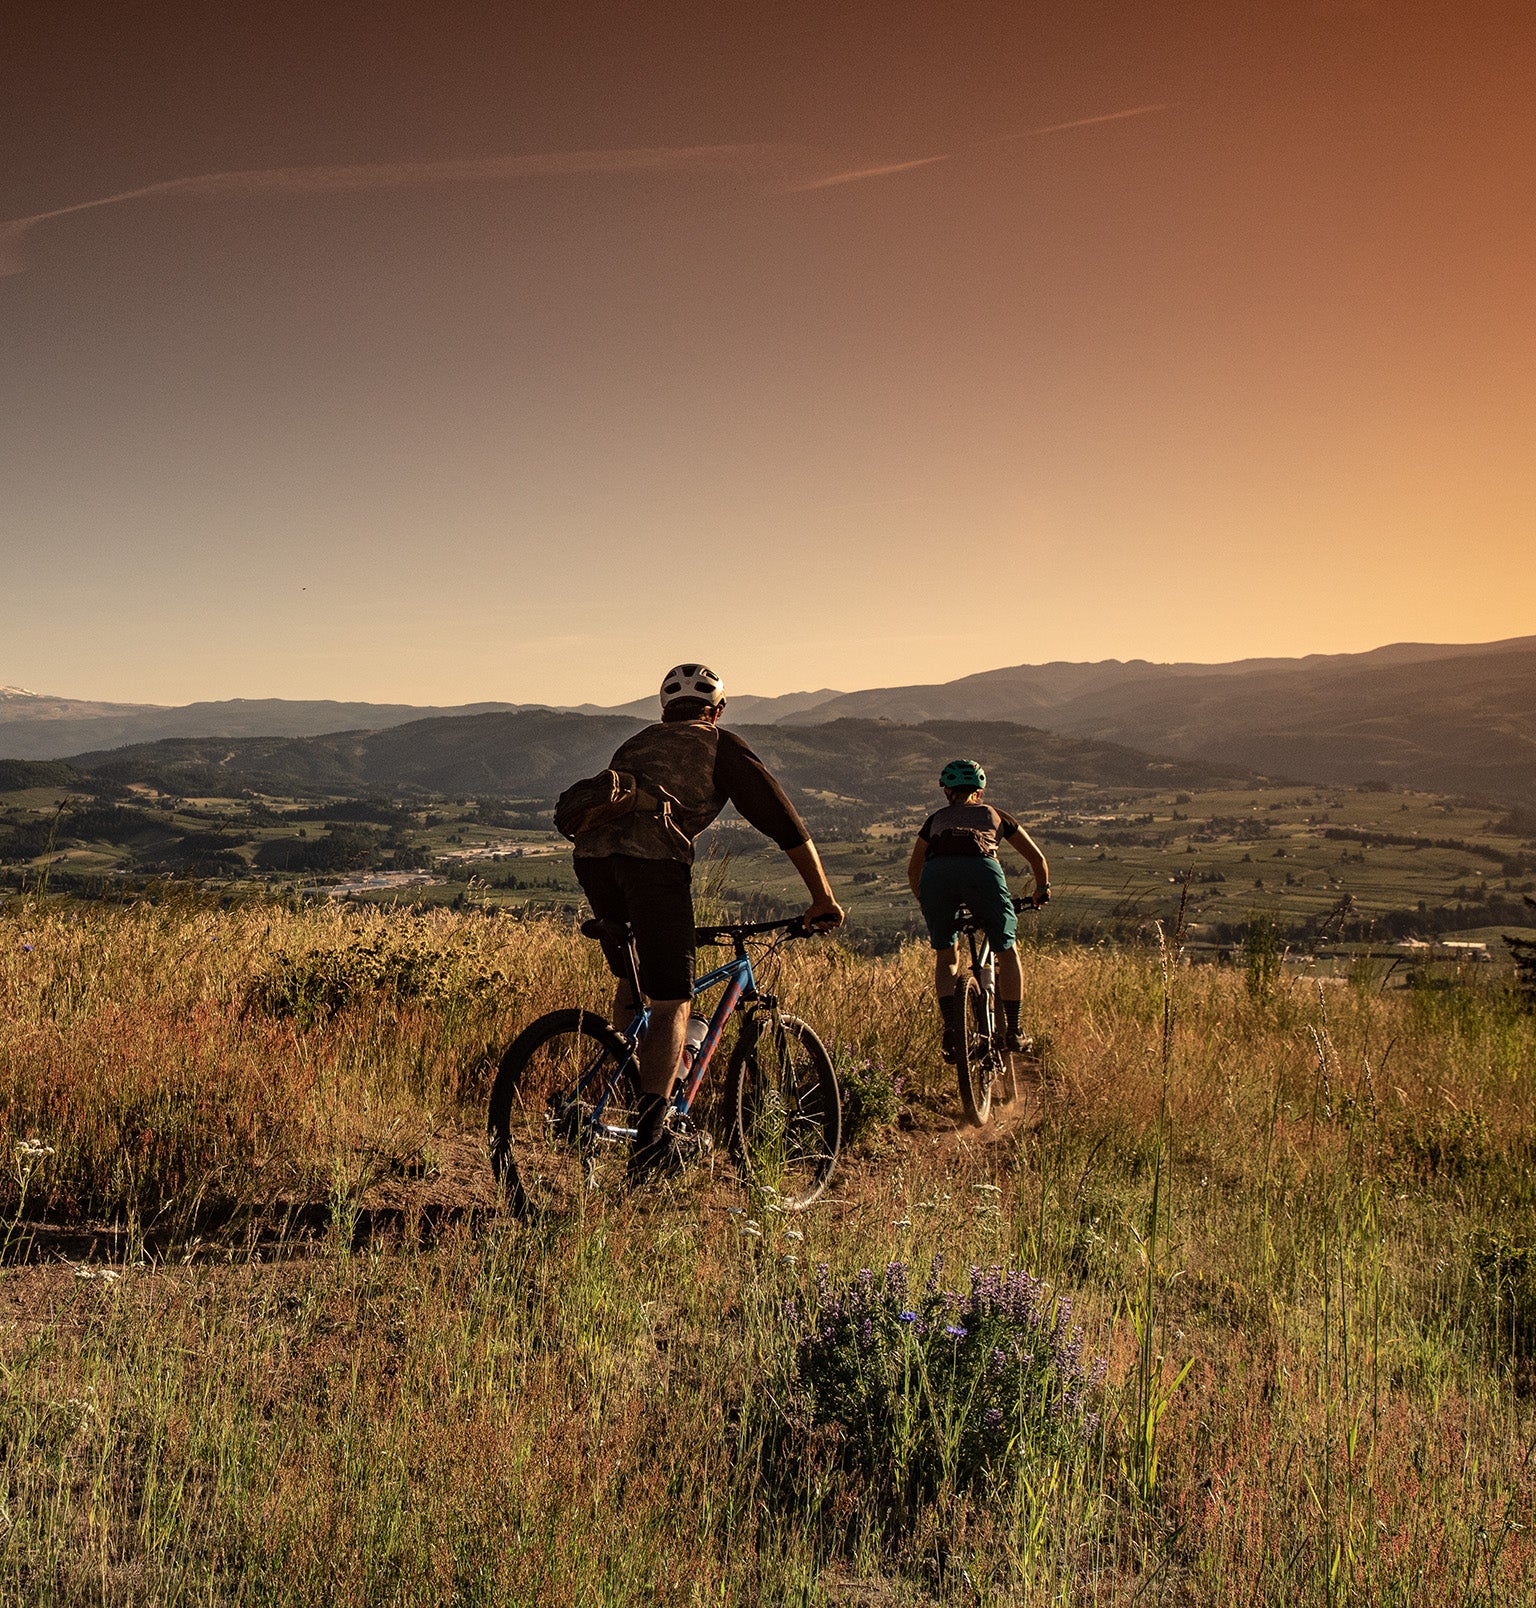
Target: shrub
{"points": [[389, 966], [1505, 1266], [935, 1391], [1262, 958], [871, 1098]]}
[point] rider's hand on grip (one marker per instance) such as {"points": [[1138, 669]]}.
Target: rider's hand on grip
{"points": [[823, 916]]}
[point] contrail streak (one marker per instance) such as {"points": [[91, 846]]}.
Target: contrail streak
{"points": [[1080, 122], [867, 173], [948, 156], [405, 175], [770, 161]]}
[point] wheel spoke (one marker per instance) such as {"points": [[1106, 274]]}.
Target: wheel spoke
{"points": [[561, 1111]]}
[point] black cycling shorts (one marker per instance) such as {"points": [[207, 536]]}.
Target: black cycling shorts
{"points": [[656, 898]]}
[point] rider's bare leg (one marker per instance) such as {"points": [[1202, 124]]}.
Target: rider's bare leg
{"points": [[662, 1047], [1010, 975], [1010, 988], [945, 964], [623, 1006]]}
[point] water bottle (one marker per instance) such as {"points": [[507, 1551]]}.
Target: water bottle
{"points": [[693, 1038]]}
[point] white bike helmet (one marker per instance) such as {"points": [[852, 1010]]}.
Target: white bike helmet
{"points": [[691, 681]]}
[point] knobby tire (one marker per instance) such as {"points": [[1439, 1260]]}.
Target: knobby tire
{"points": [[785, 1111], [544, 1152], [975, 1059]]}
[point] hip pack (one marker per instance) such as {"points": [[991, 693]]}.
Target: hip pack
{"points": [[597, 800]]}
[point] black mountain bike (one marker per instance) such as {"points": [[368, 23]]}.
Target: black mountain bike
{"points": [[564, 1101], [982, 1061]]}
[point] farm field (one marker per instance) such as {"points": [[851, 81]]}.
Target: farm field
{"points": [[266, 1336], [1355, 865]]}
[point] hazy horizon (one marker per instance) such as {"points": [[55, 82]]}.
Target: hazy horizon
{"points": [[434, 357], [734, 690]]}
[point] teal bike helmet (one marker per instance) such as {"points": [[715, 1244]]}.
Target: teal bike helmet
{"points": [[962, 773]]}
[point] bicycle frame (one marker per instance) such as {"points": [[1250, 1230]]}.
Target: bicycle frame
{"points": [[740, 984], [984, 970]]}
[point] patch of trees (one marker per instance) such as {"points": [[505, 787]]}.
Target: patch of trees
{"points": [[526, 816], [109, 823], [1515, 866], [16, 774], [344, 848], [373, 811], [1389, 926]]}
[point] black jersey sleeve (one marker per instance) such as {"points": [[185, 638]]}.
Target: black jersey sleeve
{"points": [[925, 831], [743, 778], [1006, 825]]}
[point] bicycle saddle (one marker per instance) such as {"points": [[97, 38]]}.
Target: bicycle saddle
{"points": [[613, 932]]}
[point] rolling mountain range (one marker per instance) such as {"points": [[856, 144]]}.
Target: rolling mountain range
{"points": [[534, 754], [1446, 718]]}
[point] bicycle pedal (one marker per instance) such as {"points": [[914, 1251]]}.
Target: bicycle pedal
{"points": [[692, 1143]]}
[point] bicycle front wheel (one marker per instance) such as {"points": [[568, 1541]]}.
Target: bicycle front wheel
{"points": [[975, 1058], [785, 1111], [562, 1111]]}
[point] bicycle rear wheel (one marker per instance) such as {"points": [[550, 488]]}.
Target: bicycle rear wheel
{"points": [[976, 1061], [562, 1110], [785, 1110]]}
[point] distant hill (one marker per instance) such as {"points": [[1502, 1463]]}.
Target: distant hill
{"points": [[1458, 719], [535, 753], [1443, 717], [35, 726]]}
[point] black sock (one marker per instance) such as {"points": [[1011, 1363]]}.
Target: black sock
{"points": [[949, 1012], [1011, 1009]]}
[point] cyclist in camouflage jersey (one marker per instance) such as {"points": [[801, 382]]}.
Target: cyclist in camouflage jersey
{"points": [[638, 869]]}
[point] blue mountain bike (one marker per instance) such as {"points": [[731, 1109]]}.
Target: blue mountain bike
{"points": [[563, 1104], [983, 1064]]}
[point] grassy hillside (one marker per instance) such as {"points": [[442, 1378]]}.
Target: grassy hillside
{"points": [[1296, 1223], [535, 754]]}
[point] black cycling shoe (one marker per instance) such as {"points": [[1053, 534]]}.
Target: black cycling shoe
{"points": [[948, 1049], [1018, 1043], [654, 1151]]}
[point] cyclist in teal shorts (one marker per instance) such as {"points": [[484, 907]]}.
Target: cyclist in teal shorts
{"points": [[954, 862]]}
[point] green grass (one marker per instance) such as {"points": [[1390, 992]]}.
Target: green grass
{"points": [[1318, 1201]]}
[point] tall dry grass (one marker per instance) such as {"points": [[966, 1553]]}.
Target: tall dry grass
{"points": [[606, 1410]]}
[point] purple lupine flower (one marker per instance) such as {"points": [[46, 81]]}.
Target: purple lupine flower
{"points": [[896, 1283], [867, 1333], [997, 1361], [994, 1417]]}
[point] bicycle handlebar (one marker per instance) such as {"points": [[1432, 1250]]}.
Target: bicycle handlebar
{"points": [[734, 932]]}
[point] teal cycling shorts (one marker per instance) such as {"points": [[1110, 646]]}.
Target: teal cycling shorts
{"points": [[977, 883]]}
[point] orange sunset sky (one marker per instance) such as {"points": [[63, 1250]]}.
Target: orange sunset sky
{"points": [[434, 353]]}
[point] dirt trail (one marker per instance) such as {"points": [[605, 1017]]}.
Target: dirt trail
{"points": [[43, 1261]]}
